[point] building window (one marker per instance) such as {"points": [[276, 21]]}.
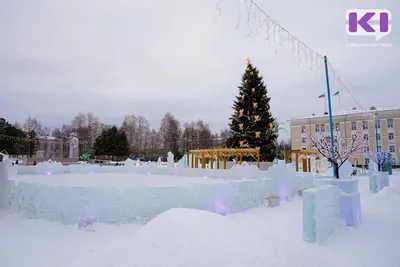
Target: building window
{"points": [[390, 123], [378, 124], [366, 161], [379, 137], [366, 148], [322, 127], [337, 126], [392, 149], [379, 148], [391, 136], [366, 137], [303, 129], [303, 140], [317, 128], [365, 125], [304, 148], [353, 126]]}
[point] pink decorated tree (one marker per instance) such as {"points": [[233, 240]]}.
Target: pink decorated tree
{"points": [[343, 147], [380, 158]]}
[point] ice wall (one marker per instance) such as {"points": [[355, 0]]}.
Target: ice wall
{"points": [[285, 181], [4, 184], [320, 212], [109, 205], [238, 172]]}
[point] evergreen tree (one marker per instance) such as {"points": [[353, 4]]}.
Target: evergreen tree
{"points": [[11, 138], [112, 142], [252, 124]]}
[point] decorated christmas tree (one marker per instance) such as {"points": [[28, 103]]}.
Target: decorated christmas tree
{"points": [[252, 124]]}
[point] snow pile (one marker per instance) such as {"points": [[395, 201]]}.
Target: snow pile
{"points": [[129, 163], [187, 237], [245, 171], [49, 167]]}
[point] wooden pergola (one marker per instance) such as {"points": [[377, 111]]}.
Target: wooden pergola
{"points": [[306, 162], [221, 153]]}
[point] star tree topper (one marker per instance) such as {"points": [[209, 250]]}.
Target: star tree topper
{"points": [[248, 60]]}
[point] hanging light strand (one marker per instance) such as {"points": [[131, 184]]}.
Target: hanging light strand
{"points": [[302, 53]]}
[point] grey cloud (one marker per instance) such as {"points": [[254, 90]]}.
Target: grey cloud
{"points": [[150, 57]]}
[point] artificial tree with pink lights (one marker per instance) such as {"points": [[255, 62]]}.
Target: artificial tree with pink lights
{"points": [[380, 158], [343, 147]]}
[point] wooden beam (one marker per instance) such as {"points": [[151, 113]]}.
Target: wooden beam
{"points": [[224, 162], [203, 160], [217, 160]]}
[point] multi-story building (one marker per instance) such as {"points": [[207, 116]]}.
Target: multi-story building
{"points": [[388, 129]]}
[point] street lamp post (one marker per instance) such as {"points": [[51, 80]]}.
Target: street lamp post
{"points": [[335, 170], [376, 138], [376, 133]]}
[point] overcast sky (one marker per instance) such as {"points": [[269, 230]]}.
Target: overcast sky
{"points": [[149, 57]]}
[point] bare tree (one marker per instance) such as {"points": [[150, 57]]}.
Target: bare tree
{"points": [[224, 135], [143, 130], [343, 148], [32, 124], [129, 126], [87, 126], [170, 134], [204, 135], [190, 136]]}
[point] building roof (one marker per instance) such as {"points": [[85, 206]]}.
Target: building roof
{"points": [[348, 112]]}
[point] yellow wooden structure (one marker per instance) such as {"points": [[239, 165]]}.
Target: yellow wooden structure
{"points": [[223, 154], [306, 162]]}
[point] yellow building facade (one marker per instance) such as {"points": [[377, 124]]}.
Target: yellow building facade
{"points": [[386, 119]]}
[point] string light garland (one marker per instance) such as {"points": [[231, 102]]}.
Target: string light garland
{"points": [[277, 34], [40, 138]]}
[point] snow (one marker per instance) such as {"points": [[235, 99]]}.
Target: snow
{"points": [[184, 237]]}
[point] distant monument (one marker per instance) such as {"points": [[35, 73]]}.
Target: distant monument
{"points": [[73, 146]]}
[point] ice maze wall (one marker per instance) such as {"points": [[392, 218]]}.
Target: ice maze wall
{"points": [[245, 188], [109, 205], [237, 172], [320, 212]]}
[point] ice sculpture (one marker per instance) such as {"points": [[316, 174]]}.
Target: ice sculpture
{"points": [[284, 182], [320, 212], [170, 160], [73, 146]]}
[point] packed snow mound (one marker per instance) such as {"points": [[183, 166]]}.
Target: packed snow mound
{"points": [[196, 238]]}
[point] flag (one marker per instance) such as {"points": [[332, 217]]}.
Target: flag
{"points": [[322, 96], [337, 93]]}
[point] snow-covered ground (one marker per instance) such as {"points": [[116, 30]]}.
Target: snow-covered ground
{"points": [[179, 237]]}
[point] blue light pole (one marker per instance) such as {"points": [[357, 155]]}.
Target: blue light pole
{"points": [[376, 134], [376, 139], [335, 171]]}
